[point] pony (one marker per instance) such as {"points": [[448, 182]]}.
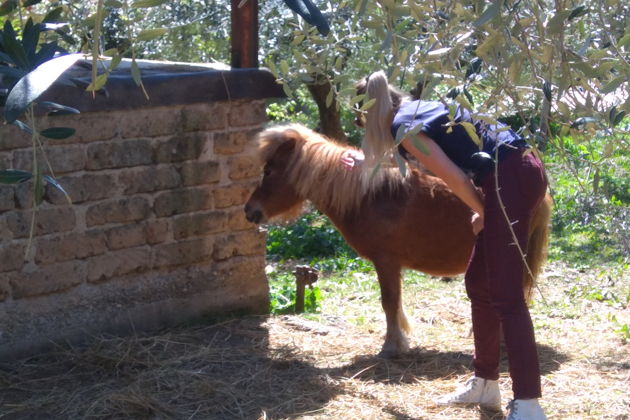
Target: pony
{"points": [[395, 221]]}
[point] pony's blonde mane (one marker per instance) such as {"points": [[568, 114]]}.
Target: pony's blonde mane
{"points": [[315, 170]]}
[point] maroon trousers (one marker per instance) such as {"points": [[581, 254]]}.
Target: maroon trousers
{"points": [[495, 272]]}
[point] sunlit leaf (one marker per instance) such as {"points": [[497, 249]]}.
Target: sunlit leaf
{"points": [[149, 34], [50, 180], [34, 84], [472, 133], [147, 3], [22, 126], [491, 11], [57, 109]]}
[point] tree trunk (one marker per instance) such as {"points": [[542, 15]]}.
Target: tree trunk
{"points": [[329, 117]]}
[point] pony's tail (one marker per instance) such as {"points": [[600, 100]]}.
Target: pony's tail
{"points": [[378, 140], [537, 245]]}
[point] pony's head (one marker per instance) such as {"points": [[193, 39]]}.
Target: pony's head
{"points": [[275, 195]]}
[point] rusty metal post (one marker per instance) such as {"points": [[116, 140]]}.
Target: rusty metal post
{"points": [[304, 276], [245, 34]]}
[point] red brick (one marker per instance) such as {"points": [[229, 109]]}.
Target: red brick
{"points": [[237, 220]]}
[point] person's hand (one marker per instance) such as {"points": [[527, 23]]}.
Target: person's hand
{"points": [[477, 223], [350, 158]]}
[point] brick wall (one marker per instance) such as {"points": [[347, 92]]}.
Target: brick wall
{"points": [[155, 233]]}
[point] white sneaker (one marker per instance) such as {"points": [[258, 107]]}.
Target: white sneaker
{"points": [[525, 410], [484, 392]]}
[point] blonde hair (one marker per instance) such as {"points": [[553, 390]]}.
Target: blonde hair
{"points": [[378, 142]]}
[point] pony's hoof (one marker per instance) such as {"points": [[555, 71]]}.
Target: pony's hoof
{"points": [[388, 354]]}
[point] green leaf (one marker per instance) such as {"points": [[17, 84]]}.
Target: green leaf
{"points": [[57, 109], [368, 104], [556, 23], [135, 73], [58, 133], [27, 3], [14, 176], [52, 181], [98, 84], [578, 11], [34, 84], [23, 127], [547, 90], [613, 85], [54, 15], [402, 167], [147, 3], [149, 34], [8, 6], [472, 133], [330, 97], [488, 14], [13, 47]]}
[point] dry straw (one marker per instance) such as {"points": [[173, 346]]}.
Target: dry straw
{"points": [[323, 367]]}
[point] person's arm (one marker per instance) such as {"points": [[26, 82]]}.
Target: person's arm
{"points": [[436, 161]]}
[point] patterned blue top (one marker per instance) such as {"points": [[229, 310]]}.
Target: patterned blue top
{"points": [[456, 144]]}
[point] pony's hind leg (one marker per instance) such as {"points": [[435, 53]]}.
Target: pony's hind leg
{"points": [[389, 278]]}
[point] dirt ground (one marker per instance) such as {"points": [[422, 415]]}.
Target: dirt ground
{"points": [[325, 366]]}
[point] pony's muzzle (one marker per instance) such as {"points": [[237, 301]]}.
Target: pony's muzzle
{"points": [[252, 214]]}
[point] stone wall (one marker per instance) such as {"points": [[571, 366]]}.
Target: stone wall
{"points": [[155, 233]]}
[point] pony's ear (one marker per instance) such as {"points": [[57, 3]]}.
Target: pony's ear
{"points": [[290, 140]]}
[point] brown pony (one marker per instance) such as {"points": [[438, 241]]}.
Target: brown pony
{"points": [[394, 221]]}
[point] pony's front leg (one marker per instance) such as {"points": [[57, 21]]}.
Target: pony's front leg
{"points": [[389, 278]]}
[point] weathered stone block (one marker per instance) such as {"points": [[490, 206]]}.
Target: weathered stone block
{"points": [[126, 236], [233, 142], [90, 127], [245, 113], [12, 137], [231, 196], [182, 252], [70, 246], [81, 188], [119, 154], [199, 224], [150, 122], [62, 158], [149, 179], [7, 200], [198, 173], [47, 220], [204, 117], [5, 289], [129, 209], [118, 263], [11, 256], [183, 201], [156, 231], [237, 220], [47, 279], [181, 147], [243, 167], [239, 244]]}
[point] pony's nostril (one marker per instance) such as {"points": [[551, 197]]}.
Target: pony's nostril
{"points": [[254, 216]]}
